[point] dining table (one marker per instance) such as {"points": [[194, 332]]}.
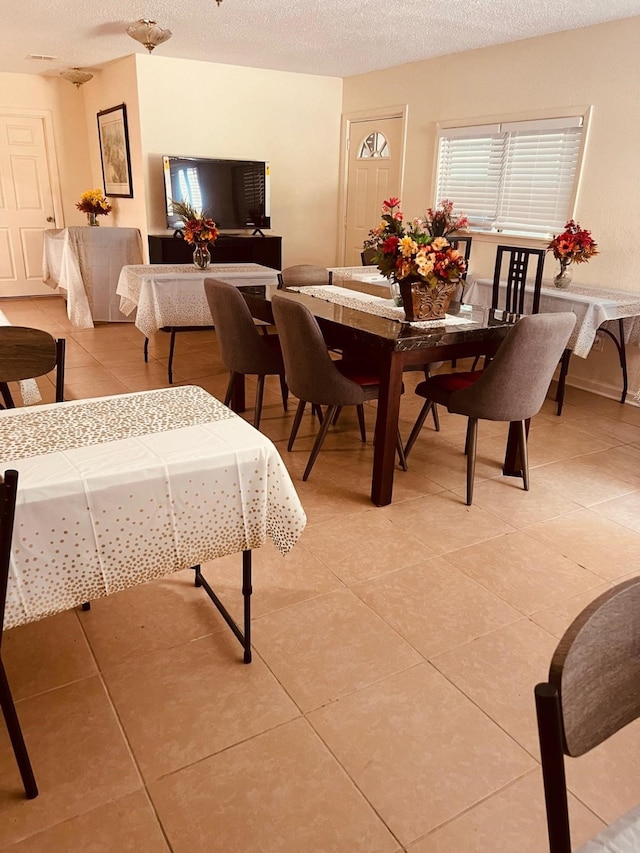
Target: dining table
{"points": [[615, 313], [117, 491], [359, 317]]}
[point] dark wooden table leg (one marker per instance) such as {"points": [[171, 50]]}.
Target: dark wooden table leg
{"points": [[384, 452], [512, 462]]}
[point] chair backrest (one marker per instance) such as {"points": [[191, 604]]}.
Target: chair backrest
{"points": [[513, 387], [462, 244], [304, 274], [8, 492], [27, 353], [368, 256], [311, 374], [511, 298], [596, 669], [242, 349]]}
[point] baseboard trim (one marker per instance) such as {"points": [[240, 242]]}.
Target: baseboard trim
{"points": [[602, 390]]}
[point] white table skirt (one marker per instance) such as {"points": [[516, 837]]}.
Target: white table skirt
{"points": [[593, 307], [85, 263], [173, 294], [623, 836], [116, 491]]}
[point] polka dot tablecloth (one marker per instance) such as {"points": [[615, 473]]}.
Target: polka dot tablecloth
{"points": [[116, 491]]}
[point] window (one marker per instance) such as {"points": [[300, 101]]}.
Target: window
{"points": [[375, 145], [515, 177]]}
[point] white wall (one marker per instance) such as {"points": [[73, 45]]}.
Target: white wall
{"points": [[291, 120], [596, 66]]}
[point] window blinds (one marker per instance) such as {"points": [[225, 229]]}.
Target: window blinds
{"points": [[515, 176]]}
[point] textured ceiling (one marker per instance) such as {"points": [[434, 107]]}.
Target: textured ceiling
{"points": [[334, 37]]}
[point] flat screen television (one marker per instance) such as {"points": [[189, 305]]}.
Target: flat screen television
{"points": [[234, 193]]}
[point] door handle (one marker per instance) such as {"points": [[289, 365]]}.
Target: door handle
{"points": [[50, 219]]}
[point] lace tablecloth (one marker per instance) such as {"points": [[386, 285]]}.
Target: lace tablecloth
{"points": [[381, 306], [173, 294], [85, 263], [594, 307], [116, 491]]}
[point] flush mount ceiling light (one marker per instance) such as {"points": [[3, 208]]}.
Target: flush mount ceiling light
{"points": [[148, 33], [76, 76]]}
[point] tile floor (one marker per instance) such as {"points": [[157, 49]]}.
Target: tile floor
{"points": [[389, 706]]}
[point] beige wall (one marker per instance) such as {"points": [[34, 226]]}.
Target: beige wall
{"points": [[597, 66], [291, 120]]}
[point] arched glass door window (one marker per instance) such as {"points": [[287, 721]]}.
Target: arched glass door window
{"points": [[374, 145]]}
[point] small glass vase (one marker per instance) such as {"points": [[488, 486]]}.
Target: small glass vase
{"points": [[202, 256], [563, 278], [92, 219]]}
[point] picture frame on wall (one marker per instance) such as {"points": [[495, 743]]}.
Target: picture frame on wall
{"points": [[113, 135]]}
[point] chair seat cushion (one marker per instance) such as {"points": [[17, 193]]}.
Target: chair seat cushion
{"points": [[357, 373], [439, 388]]}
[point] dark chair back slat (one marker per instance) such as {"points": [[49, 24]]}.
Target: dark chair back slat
{"points": [[368, 257], [516, 279]]}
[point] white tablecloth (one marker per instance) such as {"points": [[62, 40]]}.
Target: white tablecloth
{"points": [[173, 294], [116, 491], [594, 307], [85, 263]]}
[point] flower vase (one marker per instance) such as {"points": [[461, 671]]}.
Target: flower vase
{"points": [[202, 256], [423, 301], [92, 219], [563, 278]]}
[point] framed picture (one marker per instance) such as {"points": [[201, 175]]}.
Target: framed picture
{"points": [[114, 152]]}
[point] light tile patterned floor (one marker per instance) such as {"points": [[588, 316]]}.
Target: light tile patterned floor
{"points": [[390, 703]]}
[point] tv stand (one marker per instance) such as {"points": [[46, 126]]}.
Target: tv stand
{"points": [[257, 231], [228, 249]]}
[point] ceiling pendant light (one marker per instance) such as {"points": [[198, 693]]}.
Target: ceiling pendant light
{"points": [[76, 76], [148, 33]]}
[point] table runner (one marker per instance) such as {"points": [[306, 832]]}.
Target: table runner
{"points": [[173, 479], [377, 305]]}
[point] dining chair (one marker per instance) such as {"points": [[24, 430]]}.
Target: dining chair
{"points": [[243, 350], [368, 256], [592, 692], [27, 353], [302, 275], [314, 377], [461, 243], [511, 388], [8, 494]]}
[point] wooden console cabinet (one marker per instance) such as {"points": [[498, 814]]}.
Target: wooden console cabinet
{"points": [[235, 249]]}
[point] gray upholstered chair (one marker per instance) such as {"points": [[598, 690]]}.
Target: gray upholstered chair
{"points": [[242, 350], [592, 692], [512, 388], [315, 378], [8, 492], [303, 275], [27, 353]]}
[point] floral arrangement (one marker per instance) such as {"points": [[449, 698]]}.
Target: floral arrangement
{"points": [[198, 227], [574, 245], [93, 201], [412, 251], [441, 220]]}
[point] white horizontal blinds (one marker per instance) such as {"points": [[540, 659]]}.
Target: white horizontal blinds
{"points": [[469, 170], [516, 176]]}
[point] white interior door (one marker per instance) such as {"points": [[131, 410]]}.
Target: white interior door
{"points": [[26, 202], [374, 166]]}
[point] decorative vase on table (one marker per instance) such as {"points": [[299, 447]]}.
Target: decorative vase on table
{"points": [[92, 219], [424, 301], [201, 256], [563, 278]]}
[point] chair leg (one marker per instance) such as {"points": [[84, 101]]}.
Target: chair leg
{"points": [[284, 389], [402, 458], [15, 734], [363, 428], [553, 774], [317, 410], [564, 369], [172, 346], [60, 349], [436, 417], [524, 454], [146, 350], [472, 439], [322, 433], [229, 394], [6, 396], [415, 432], [258, 409], [296, 423], [337, 415]]}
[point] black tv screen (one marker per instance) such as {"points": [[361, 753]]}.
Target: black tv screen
{"points": [[234, 193]]}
